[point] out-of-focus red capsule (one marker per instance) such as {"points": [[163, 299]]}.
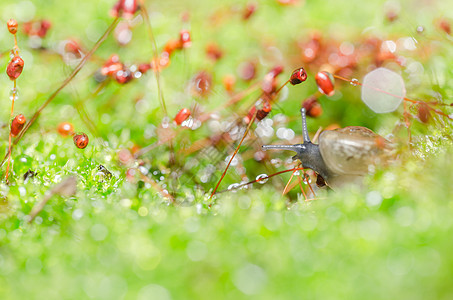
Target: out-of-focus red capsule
{"points": [[262, 113], [298, 76], [81, 140], [201, 84], [312, 48], [423, 113], [129, 8], [325, 82], [269, 83], [172, 45], [213, 51], [125, 7], [112, 66], [249, 10], [130, 175], [184, 38], [125, 156], [247, 70], [12, 26], [229, 82], [445, 26], [312, 107], [182, 115], [15, 67], [276, 71], [44, 26], [123, 76], [250, 114], [17, 124], [116, 9], [143, 68], [391, 15], [72, 46], [65, 129]]}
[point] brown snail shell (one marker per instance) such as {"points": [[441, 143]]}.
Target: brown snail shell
{"points": [[351, 150]]}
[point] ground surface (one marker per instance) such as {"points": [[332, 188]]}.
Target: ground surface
{"points": [[119, 239]]}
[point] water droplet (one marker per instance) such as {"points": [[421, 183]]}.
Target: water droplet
{"points": [[262, 178], [277, 162], [165, 122], [296, 173], [233, 187], [354, 81], [307, 179], [383, 90], [420, 29], [14, 94]]}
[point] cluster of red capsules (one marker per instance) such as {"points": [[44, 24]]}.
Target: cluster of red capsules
{"points": [[269, 90], [80, 139], [118, 71], [125, 8], [36, 28], [14, 70], [342, 61]]}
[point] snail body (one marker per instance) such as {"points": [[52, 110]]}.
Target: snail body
{"points": [[342, 156]]}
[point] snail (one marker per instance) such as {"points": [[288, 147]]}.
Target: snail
{"points": [[342, 156]]}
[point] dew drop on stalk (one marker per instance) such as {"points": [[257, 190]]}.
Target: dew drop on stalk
{"points": [[277, 162], [296, 173], [307, 179], [262, 178], [165, 122], [233, 187], [354, 81], [14, 94], [383, 90]]}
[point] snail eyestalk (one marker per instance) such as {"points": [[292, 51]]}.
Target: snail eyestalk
{"points": [[280, 147], [304, 126]]}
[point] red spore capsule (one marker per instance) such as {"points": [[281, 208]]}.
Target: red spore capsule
{"points": [[123, 76], [298, 76], [312, 107], [229, 82], [423, 113], [445, 26], [112, 66], [249, 10], [250, 114], [65, 129], [276, 71], [17, 124], [125, 156], [172, 45], [129, 8], [182, 115], [213, 51], [201, 84], [325, 83], [72, 46], [12, 26], [269, 82], [143, 68], [185, 38], [43, 28], [247, 70], [15, 67], [262, 113], [81, 140]]}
